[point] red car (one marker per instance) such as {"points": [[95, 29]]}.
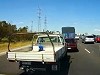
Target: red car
{"points": [[71, 44], [97, 38]]}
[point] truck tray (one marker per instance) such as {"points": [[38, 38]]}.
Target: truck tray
{"points": [[47, 55]]}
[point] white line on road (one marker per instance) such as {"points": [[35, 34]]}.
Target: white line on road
{"points": [[87, 51]]}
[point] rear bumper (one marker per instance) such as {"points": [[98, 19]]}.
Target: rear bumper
{"points": [[71, 47], [88, 41], [38, 66]]}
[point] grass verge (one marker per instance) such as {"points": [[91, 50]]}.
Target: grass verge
{"points": [[4, 46]]}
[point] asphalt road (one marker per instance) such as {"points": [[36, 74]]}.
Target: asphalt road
{"points": [[84, 62]]}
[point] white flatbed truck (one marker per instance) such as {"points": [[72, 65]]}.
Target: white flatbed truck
{"points": [[46, 54]]}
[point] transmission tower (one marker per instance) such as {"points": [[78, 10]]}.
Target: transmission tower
{"points": [[45, 24], [39, 19], [32, 27]]}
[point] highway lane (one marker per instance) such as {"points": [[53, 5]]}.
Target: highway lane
{"points": [[79, 63], [92, 48], [84, 62]]}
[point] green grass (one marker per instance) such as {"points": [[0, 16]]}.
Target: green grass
{"points": [[4, 46]]}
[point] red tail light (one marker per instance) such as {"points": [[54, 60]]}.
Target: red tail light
{"points": [[98, 38]]}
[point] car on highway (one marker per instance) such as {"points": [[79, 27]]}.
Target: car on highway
{"points": [[71, 44], [97, 38], [88, 39], [77, 37]]}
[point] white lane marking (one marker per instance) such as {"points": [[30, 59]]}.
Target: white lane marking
{"points": [[87, 51]]}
